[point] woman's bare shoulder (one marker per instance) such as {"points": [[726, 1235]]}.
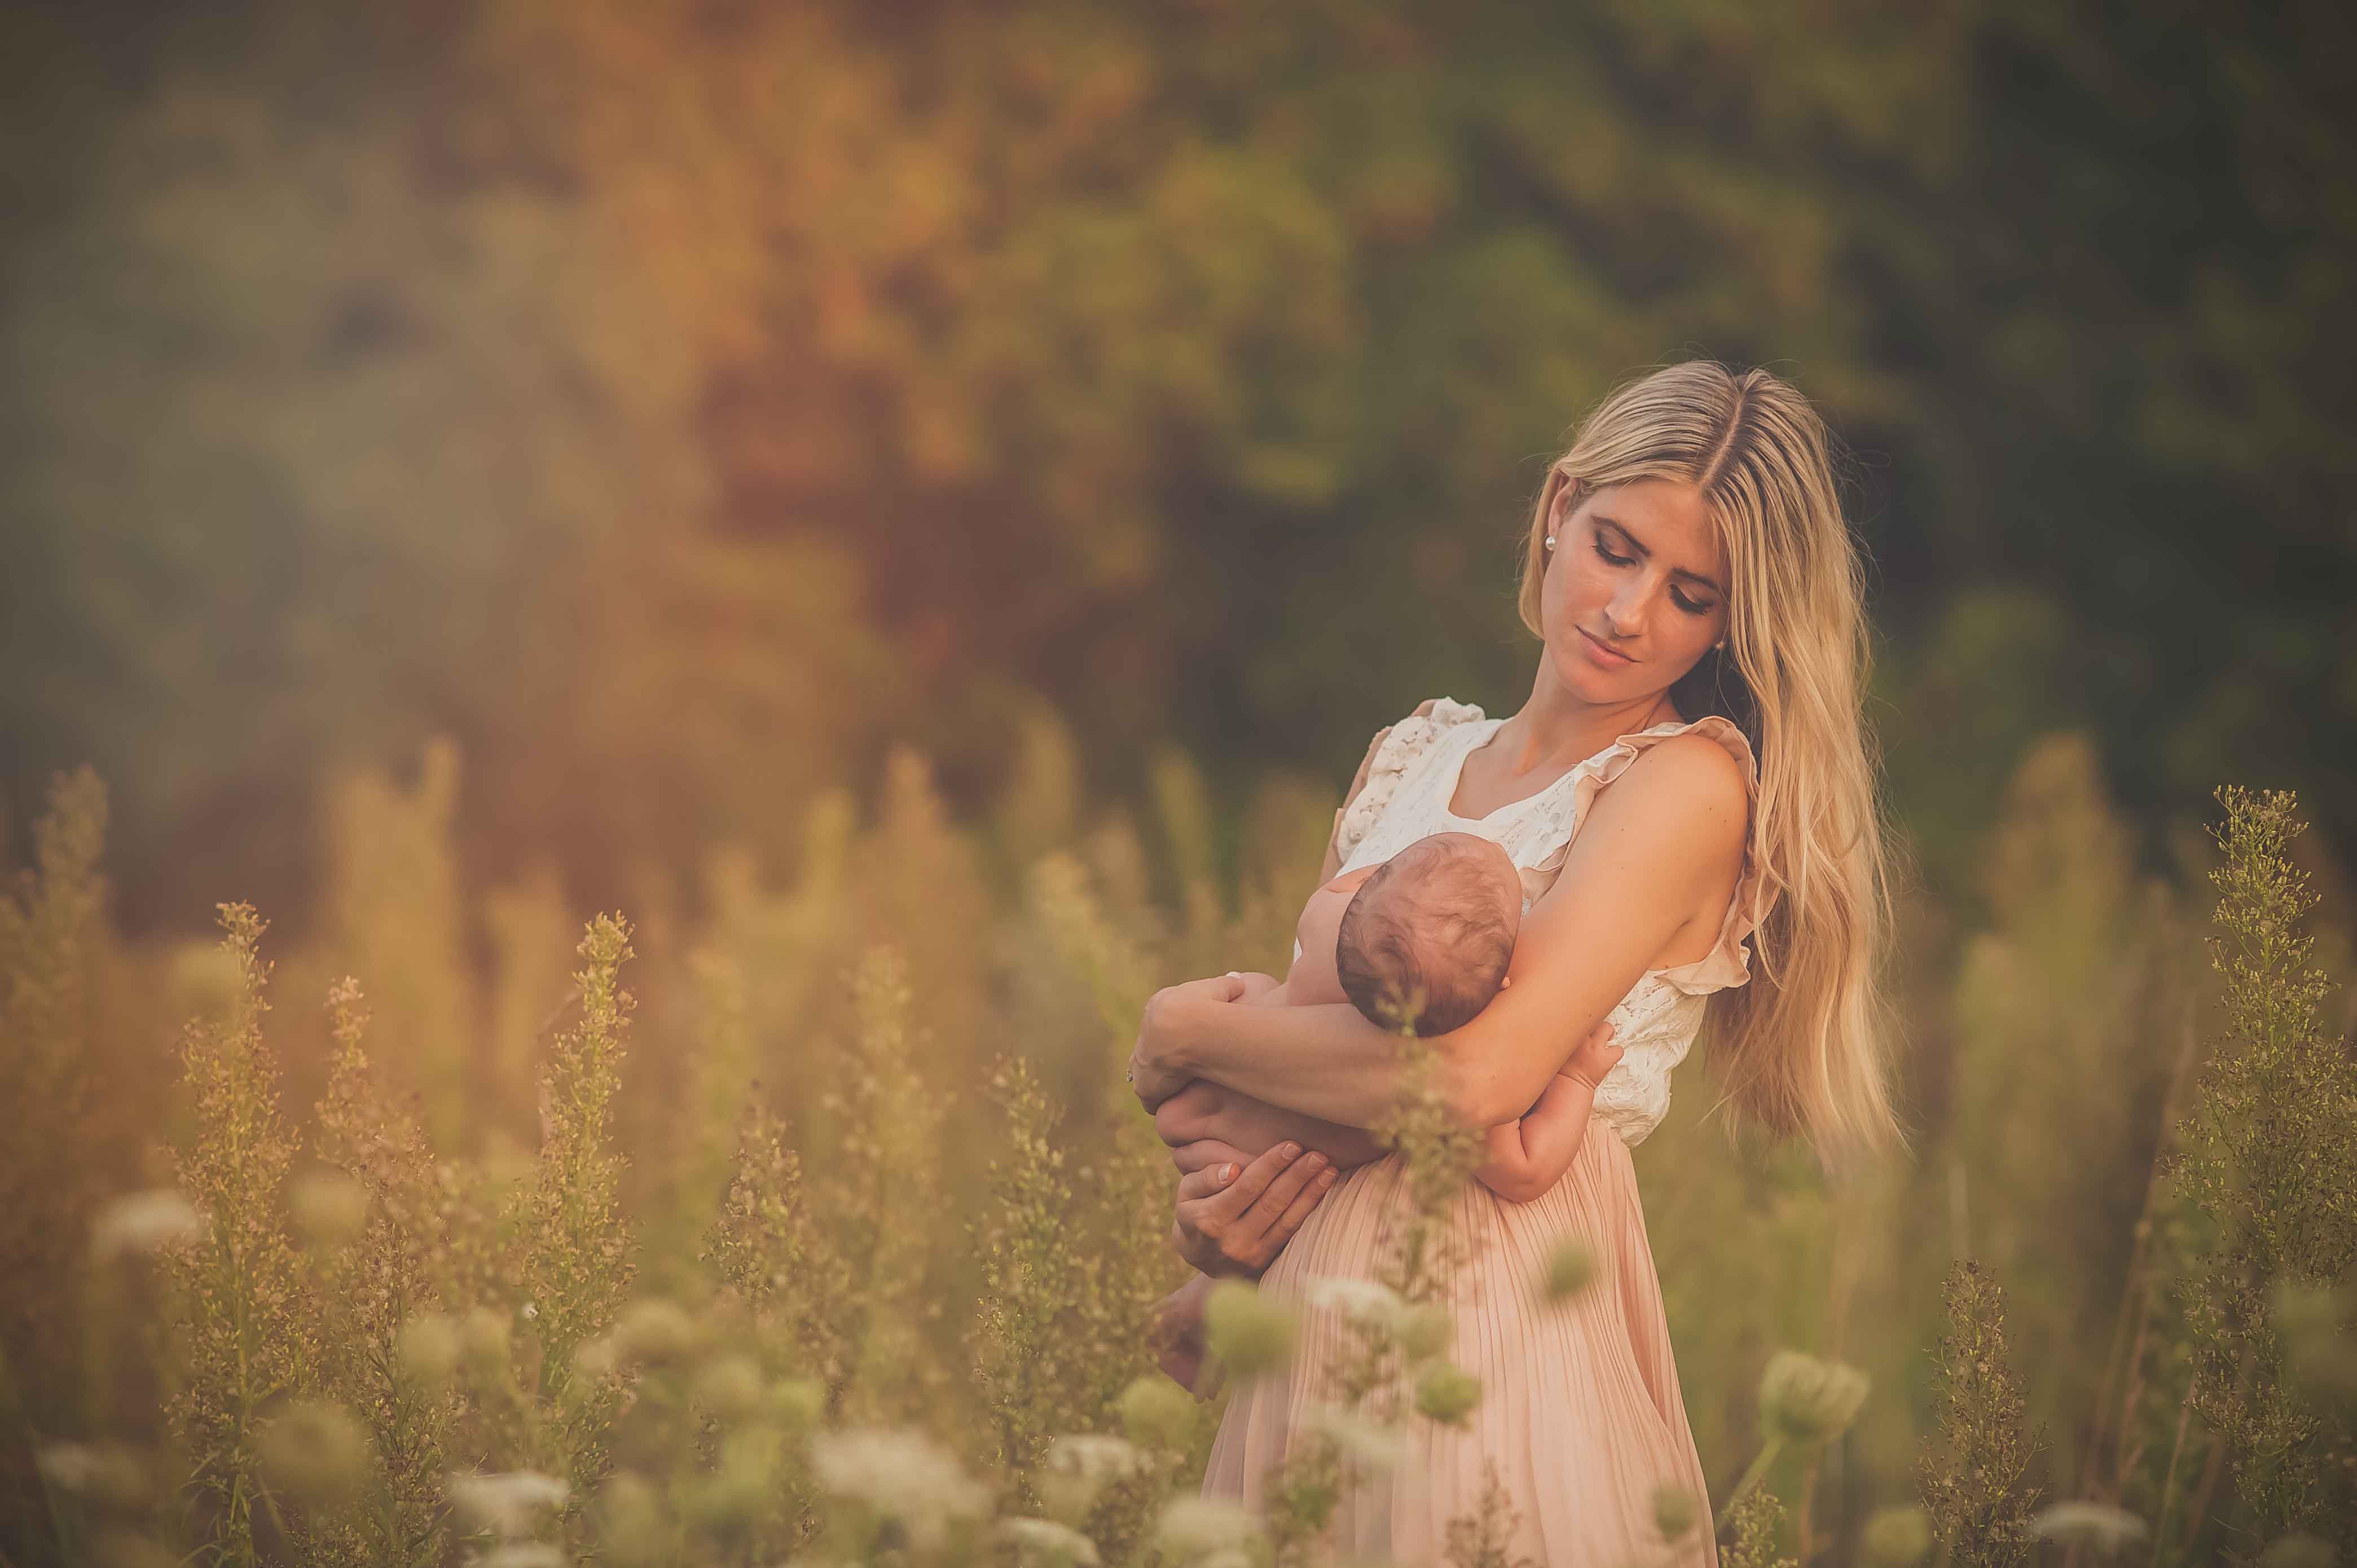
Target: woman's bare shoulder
{"points": [[1694, 793]]}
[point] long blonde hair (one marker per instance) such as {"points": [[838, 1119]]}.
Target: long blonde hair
{"points": [[1803, 1047]]}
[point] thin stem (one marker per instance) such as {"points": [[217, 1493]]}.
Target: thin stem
{"points": [[1752, 1477]]}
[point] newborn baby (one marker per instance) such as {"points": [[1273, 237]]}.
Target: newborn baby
{"points": [[1425, 936]]}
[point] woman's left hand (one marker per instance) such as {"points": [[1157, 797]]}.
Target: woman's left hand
{"points": [[1155, 1071]]}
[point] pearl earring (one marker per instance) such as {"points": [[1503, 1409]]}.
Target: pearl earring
{"points": [[1550, 542]]}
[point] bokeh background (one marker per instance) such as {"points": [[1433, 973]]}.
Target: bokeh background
{"points": [[780, 469]]}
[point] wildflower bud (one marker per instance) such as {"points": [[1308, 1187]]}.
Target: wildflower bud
{"points": [[1045, 1542], [1192, 1528], [1570, 1269], [797, 1403], [728, 1386], [1896, 1537], [1447, 1393], [144, 1222], [317, 1452], [2297, 1552], [655, 1333], [1424, 1331], [1674, 1511], [2110, 1531], [1158, 1413], [1251, 1333], [330, 1210], [1806, 1403], [428, 1347], [630, 1528]]}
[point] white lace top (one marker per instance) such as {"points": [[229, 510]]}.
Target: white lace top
{"points": [[1413, 777]]}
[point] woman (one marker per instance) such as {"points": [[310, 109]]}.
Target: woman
{"points": [[1693, 759]]}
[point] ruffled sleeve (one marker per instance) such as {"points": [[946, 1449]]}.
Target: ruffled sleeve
{"points": [[1728, 962], [1397, 750]]}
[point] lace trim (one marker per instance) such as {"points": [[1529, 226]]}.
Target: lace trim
{"points": [[1405, 744]]}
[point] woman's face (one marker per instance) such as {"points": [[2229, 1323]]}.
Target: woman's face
{"points": [[1635, 590]]}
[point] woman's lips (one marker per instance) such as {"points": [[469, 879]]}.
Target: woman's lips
{"points": [[1611, 659]]}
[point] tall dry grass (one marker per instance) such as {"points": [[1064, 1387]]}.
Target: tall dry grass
{"points": [[831, 1231]]}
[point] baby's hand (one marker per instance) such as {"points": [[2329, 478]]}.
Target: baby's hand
{"points": [[1596, 1056]]}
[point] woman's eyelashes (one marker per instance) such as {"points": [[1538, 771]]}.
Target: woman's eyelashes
{"points": [[1677, 598]]}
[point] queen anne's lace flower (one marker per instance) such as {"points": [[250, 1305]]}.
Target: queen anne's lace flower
{"points": [[145, 1222], [1193, 1528], [1367, 1303], [900, 1475], [507, 1505], [1044, 1538], [1362, 1439]]}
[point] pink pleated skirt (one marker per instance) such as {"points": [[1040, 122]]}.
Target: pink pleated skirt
{"points": [[1580, 1415]]}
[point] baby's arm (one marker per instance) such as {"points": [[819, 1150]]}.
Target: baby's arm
{"points": [[1522, 1159]]}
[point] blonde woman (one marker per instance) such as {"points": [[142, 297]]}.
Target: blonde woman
{"points": [[1693, 764]]}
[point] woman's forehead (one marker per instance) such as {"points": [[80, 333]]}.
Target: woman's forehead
{"points": [[1664, 520]]}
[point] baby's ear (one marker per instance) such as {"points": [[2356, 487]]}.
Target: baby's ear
{"points": [[1505, 982]]}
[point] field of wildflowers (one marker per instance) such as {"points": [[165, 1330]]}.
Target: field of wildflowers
{"points": [[807, 1219]]}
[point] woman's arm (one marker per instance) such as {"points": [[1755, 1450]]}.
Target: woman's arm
{"points": [[1660, 846]]}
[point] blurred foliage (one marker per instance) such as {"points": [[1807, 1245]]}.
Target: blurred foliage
{"points": [[679, 405]]}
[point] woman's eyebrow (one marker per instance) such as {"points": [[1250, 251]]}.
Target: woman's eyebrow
{"points": [[1639, 546]]}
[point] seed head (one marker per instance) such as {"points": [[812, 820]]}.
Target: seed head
{"points": [[429, 1347], [1674, 1511], [1570, 1269], [1253, 1334], [317, 1452], [1806, 1403], [1158, 1413], [1447, 1393], [655, 1333], [1425, 1330], [1896, 1537], [1192, 1528], [729, 1386]]}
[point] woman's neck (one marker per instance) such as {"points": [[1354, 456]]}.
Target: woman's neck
{"points": [[1558, 729]]}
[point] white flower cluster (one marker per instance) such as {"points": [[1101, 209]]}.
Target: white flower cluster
{"points": [[902, 1475], [1362, 1439], [1207, 1532], [1045, 1540], [1366, 1302], [508, 1505], [144, 1222]]}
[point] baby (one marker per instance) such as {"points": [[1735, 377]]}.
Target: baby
{"points": [[1425, 936]]}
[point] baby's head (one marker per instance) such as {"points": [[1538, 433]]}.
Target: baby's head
{"points": [[1432, 928]]}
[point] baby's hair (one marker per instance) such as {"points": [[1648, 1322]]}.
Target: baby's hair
{"points": [[1425, 936]]}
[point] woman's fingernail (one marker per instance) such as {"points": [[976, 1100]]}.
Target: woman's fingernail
{"points": [[1327, 1180], [1286, 1151], [1227, 1174]]}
